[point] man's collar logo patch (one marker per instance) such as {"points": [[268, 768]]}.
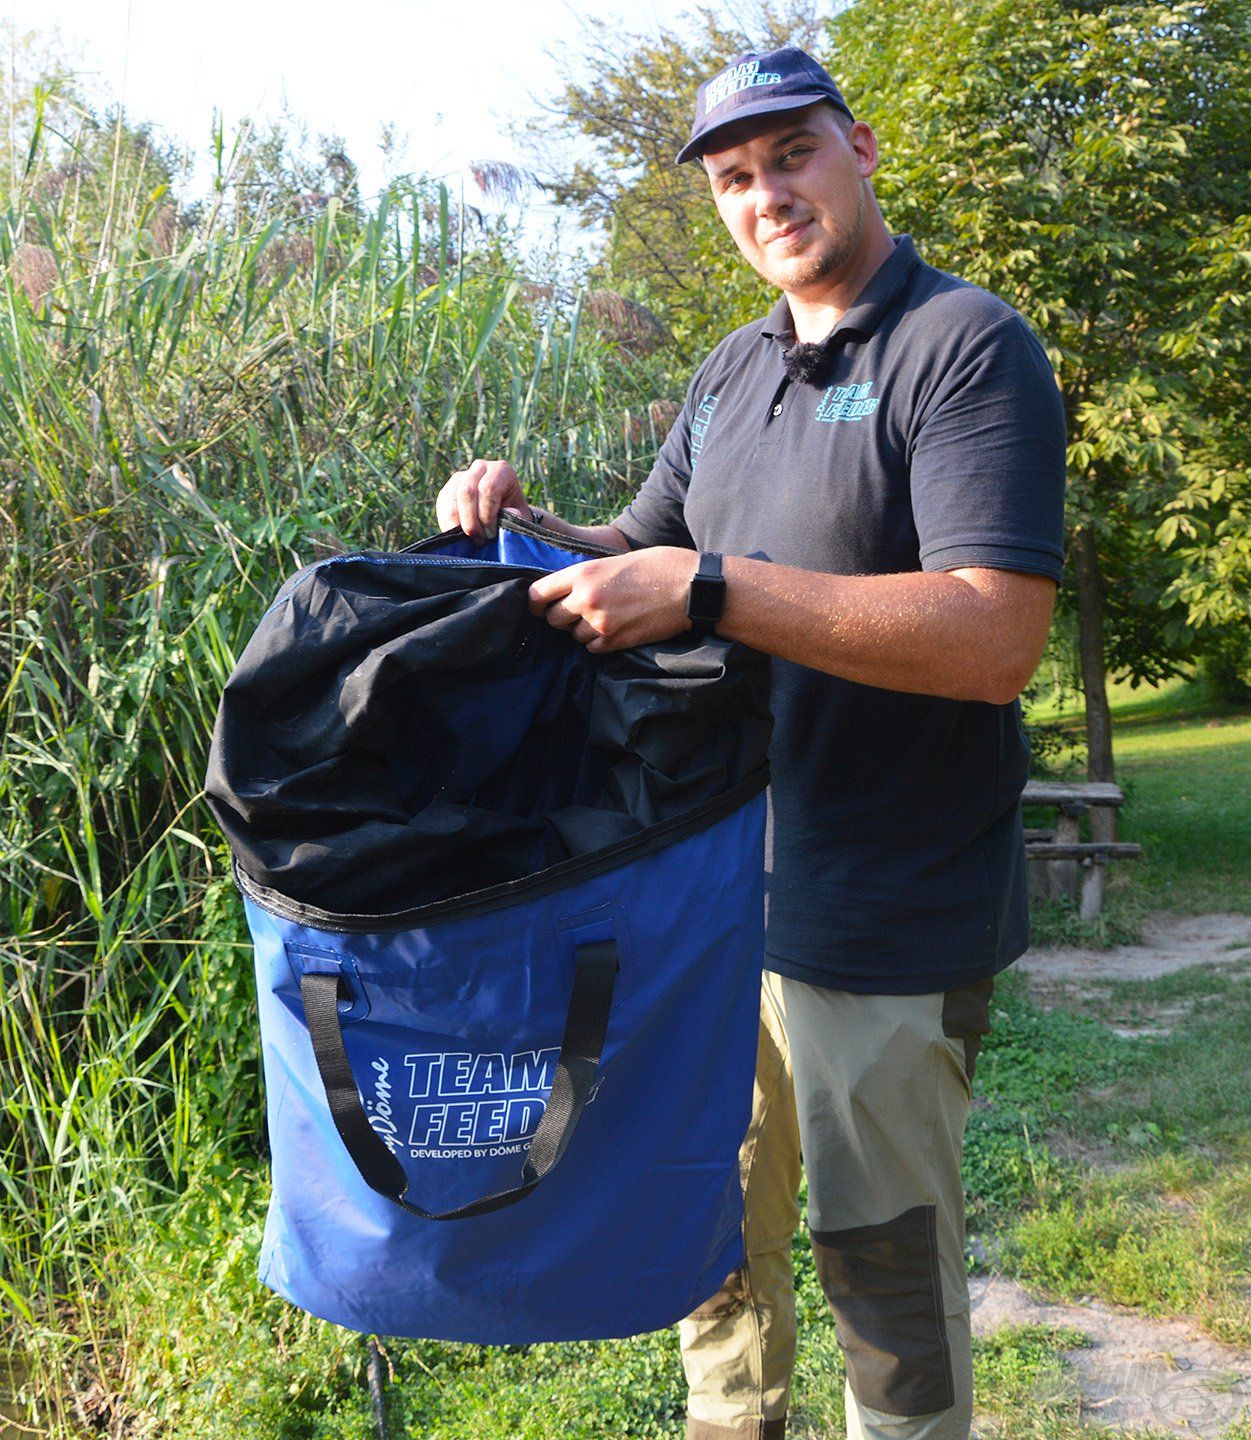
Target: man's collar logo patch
{"points": [[736, 78], [847, 402]]}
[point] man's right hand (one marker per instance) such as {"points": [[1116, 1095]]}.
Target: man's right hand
{"points": [[473, 499]]}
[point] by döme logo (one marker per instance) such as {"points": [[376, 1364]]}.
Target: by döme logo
{"points": [[736, 78], [381, 1111], [847, 402]]}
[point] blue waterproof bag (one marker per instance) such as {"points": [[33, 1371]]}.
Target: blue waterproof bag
{"points": [[507, 905]]}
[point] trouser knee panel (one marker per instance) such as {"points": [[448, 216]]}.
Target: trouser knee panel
{"points": [[883, 1285], [751, 1430]]}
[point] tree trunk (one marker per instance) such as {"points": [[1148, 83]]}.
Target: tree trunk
{"points": [[1099, 762]]}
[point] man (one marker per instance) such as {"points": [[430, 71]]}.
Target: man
{"points": [[880, 462]]}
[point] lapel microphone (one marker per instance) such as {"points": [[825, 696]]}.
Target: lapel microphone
{"points": [[806, 364]]}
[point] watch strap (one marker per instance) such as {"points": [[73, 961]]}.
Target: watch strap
{"points": [[705, 601]]}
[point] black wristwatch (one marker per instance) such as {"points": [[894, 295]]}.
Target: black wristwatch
{"points": [[705, 600]]}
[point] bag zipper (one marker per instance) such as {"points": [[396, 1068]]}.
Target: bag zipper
{"points": [[511, 892]]}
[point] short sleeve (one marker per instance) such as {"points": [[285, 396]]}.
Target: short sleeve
{"points": [[656, 514], [988, 459]]}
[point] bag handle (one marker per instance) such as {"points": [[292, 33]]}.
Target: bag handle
{"points": [[586, 1025]]}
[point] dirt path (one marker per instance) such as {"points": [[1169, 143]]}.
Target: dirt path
{"points": [[1068, 975], [1136, 1373], [1170, 942]]}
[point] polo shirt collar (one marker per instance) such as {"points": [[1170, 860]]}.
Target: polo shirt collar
{"points": [[865, 314]]}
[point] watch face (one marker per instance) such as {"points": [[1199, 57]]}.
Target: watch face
{"points": [[707, 598]]}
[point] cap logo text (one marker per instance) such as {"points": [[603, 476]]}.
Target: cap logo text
{"points": [[736, 78]]}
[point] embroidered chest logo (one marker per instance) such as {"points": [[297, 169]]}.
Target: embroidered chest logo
{"points": [[699, 427], [847, 402]]}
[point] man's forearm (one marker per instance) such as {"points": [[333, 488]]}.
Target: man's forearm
{"points": [[974, 635], [607, 536], [969, 634]]}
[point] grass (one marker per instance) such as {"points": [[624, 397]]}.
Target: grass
{"points": [[1188, 1081], [255, 1369], [1021, 1379], [225, 1361], [1031, 1077], [1168, 1237], [1121, 1168], [1158, 1219], [1187, 781]]}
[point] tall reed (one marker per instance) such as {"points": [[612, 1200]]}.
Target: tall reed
{"points": [[187, 414]]}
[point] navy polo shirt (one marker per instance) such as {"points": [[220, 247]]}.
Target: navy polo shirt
{"points": [[933, 440]]}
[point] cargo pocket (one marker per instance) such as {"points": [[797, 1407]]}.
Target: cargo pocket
{"points": [[883, 1285], [966, 1017]]}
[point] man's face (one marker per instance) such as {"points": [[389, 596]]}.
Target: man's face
{"points": [[791, 190]]}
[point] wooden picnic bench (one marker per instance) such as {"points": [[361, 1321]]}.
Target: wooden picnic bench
{"points": [[1060, 861]]}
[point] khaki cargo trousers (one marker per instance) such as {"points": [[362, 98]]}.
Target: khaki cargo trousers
{"points": [[874, 1091]]}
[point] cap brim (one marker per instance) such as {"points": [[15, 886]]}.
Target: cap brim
{"points": [[766, 105]]}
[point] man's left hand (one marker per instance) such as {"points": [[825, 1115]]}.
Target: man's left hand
{"points": [[619, 601]]}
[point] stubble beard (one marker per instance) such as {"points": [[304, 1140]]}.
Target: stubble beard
{"points": [[808, 270]]}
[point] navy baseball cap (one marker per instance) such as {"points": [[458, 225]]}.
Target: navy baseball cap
{"points": [[758, 83]]}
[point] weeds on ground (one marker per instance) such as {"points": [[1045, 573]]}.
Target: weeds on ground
{"points": [[1058, 922], [213, 1355], [1163, 1222], [817, 1399], [1022, 1383], [203, 1350], [1181, 992], [1162, 1238], [217, 1357], [1190, 1082], [1030, 1076]]}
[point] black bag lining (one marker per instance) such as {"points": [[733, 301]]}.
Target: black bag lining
{"points": [[403, 741]]}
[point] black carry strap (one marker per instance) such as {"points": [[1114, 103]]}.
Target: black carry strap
{"points": [[594, 979]]}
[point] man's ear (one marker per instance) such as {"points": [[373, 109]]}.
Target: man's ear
{"points": [[864, 142]]}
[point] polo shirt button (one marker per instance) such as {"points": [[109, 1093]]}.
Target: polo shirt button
{"points": [[777, 409]]}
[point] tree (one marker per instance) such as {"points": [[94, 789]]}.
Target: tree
{"points": [[609, 145], [1092, 164]]}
